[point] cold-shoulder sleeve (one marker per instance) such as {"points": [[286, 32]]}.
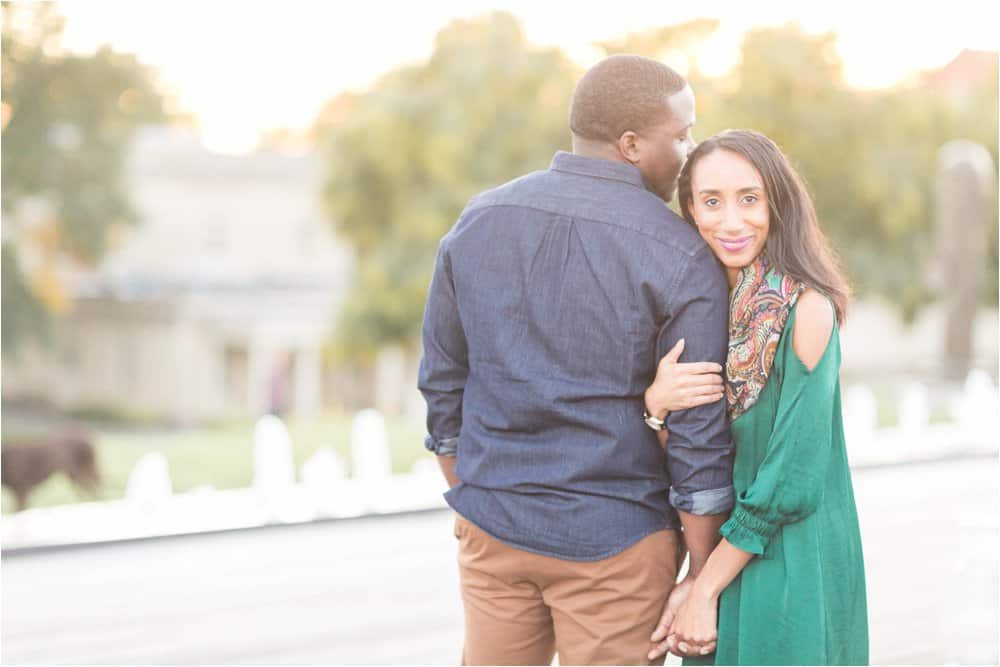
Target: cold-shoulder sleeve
{"points": [[789, 484]]}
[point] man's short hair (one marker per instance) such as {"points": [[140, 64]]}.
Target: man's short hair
{"points": [[621, 93]]}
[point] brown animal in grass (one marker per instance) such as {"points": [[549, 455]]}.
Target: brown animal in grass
{"points": [[26, 464]]}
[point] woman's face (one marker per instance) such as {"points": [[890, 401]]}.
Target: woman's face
{"points": [[730, 207]]}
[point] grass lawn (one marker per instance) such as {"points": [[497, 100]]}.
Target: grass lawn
{"points": [[219, 455]]}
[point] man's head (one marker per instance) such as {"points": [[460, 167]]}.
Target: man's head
{"points": [[635, 110]]}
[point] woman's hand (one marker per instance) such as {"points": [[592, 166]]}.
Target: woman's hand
{"points": [[694, 630], [677, 597], [679, 386]]}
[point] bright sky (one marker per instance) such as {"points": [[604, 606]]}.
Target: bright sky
{"points": [[243, 67]]}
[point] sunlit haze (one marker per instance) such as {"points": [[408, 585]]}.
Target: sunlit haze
{"points": [[243, 68]]}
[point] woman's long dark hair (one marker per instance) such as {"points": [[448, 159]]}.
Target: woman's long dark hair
{"points": [[795, 245]]}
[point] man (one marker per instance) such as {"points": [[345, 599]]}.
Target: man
{"points": [[552, 299]]}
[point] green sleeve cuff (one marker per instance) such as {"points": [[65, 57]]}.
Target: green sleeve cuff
{"points": [[748, 532]]}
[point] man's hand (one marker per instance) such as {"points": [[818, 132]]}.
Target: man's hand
{"points": [[674, 602], [447, 465], [694, 628]]}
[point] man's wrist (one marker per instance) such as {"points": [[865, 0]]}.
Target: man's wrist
{"points": [[447, 465], [652, 419]]}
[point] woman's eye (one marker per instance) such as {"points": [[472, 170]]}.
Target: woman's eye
{"points": [[750, 199], [711, 201]]}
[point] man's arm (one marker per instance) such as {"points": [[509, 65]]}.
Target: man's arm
{"points": [[701, 535], [444, 367], [699, 448]]}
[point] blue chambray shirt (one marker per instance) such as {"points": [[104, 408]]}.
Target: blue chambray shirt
{"points": [[553, 298]]}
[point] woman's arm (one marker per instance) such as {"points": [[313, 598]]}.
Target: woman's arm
{"points": [[798, 449], [679, 386], [694, 631], [788, 484], [722, 567]]}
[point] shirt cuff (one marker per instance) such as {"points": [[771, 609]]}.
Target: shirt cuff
{"points": [[709, 501], [442, 447], [748, 532]]}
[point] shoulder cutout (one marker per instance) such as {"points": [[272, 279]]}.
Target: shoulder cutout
{"points": [[813, 326]]}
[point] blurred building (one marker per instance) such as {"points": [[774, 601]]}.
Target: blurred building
{"points": [[217, 304], [961, 77]]}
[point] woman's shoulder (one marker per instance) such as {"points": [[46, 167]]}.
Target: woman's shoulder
{"points": [[814, 321]]}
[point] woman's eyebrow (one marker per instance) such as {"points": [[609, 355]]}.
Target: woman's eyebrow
{"points": [[749, 188]]}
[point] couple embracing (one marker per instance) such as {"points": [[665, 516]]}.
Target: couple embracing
{"points": [[613, 389]]}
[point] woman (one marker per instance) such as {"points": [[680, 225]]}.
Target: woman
{"points": [[786, 583]]}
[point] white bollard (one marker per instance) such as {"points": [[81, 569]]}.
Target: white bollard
{"points": [[978, 412], [322, 470], [149, 482], [914, 410], [273, 463], [370, 447]]}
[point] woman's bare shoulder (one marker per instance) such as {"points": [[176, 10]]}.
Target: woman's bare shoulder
{"points": [[814, 317]]}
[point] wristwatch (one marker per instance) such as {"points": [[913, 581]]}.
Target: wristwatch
{"points": [[652, 422]]}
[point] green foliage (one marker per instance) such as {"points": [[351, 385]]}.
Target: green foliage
{"points": [[655, 42], [869, 156], [410, 153], [406, 156], [67, 121], [23, 315]]}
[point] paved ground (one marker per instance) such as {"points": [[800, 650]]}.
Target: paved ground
{"points": [[385, 591]]}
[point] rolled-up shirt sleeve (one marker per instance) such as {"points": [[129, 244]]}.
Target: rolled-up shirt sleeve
{"points": [[444, 366], [699, 449]]}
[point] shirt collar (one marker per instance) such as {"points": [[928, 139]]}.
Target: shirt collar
{"points": [[597, 168]]}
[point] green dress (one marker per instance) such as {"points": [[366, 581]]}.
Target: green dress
{"points": [[801, 600]]}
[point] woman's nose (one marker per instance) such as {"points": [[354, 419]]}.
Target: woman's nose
{"points": [[732, 220]]}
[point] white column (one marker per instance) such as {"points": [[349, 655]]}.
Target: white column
{"points": [[258, 371], [307, 381], [180, 374]]}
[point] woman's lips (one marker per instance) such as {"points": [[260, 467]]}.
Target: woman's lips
{"points": [[735, 245]]}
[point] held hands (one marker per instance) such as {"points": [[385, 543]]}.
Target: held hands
{"points": [[679, 386], [688, 625], [694, 630], [662, 631]]}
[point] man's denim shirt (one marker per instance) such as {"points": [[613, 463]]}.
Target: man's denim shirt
{"points": [[553, 298]]}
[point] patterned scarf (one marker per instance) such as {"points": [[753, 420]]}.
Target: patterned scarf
{"points": [[758, 311]]}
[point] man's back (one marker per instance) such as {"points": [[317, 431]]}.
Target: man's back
{"points": [[567, 286]]}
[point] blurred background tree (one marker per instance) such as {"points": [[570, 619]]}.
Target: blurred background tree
{"points": [[67, 122], [869, 156], [658, 42], [404, 158]]}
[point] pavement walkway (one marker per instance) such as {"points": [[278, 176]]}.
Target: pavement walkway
{"points": [[384, 590]]}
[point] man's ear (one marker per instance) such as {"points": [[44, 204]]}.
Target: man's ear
{"points": [[628, 146]]}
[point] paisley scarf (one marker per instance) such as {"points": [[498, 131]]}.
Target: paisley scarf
{"points": [[758, 310]]}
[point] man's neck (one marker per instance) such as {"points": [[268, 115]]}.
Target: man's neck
{"points": [[599, 150]]}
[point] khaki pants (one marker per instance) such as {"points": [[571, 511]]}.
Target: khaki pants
{"points": [[522, 608]]}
